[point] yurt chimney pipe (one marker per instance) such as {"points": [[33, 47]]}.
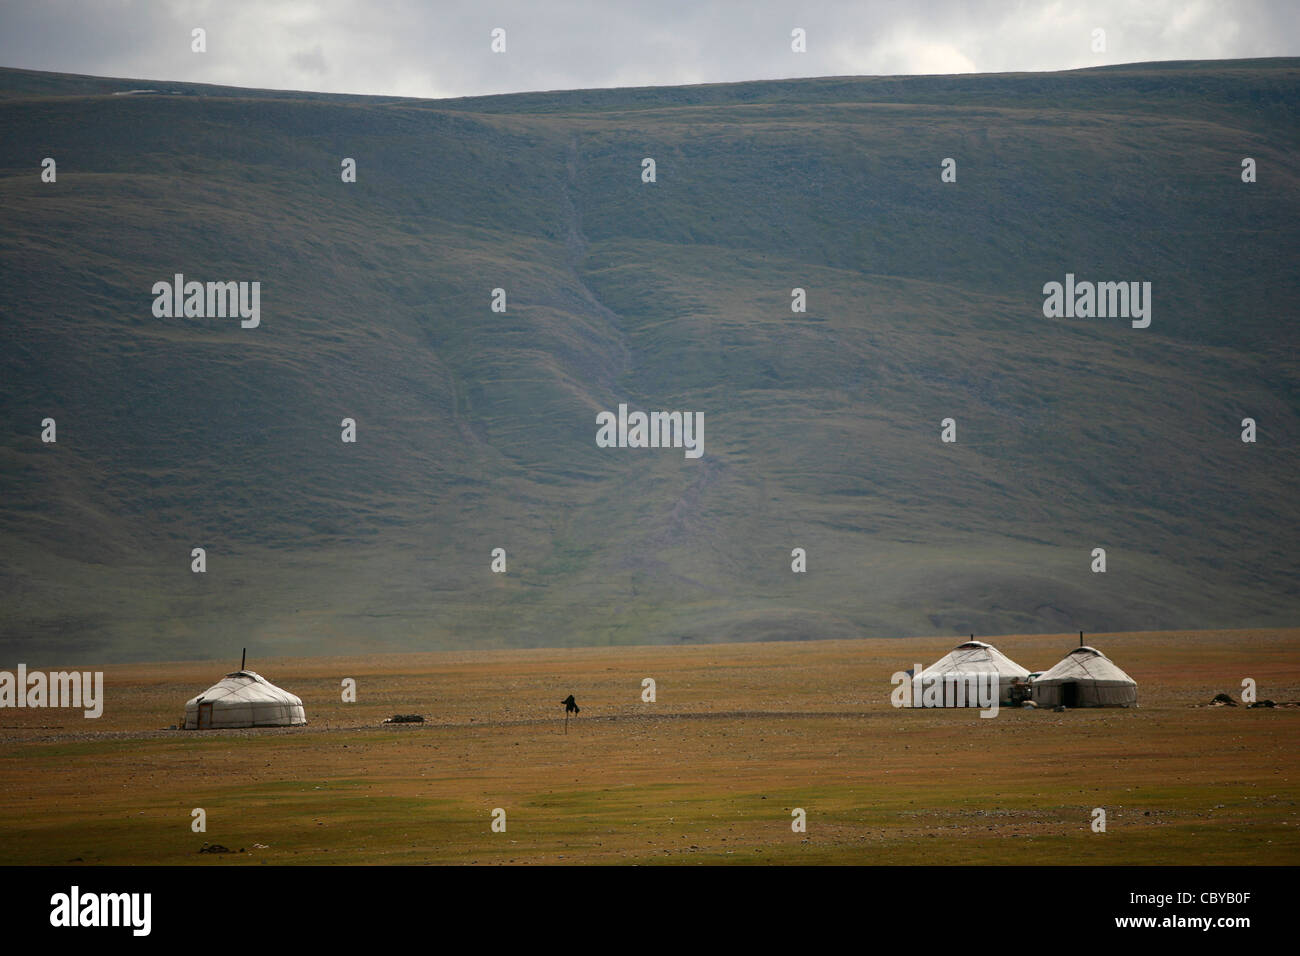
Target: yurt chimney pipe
{"points": [[244, 657]]}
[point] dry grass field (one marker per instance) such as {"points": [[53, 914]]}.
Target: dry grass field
{"points": [[739, 736]]}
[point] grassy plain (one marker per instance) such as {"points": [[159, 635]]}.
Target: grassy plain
{"points": [[740, 734]]}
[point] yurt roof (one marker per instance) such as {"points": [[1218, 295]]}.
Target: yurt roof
{"points": [[1085, 663], [245, 686], [977, 657]]}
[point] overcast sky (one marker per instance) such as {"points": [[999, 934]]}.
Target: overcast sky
{"points": [[437, 49]]}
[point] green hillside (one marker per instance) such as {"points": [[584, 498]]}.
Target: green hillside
{"points": [[476, 430]]}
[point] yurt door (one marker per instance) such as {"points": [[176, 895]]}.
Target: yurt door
{"points": [[205, 716], [1070, 694]]}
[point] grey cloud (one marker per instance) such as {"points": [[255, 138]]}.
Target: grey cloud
{"points": [[414, 48], [311, 61]]}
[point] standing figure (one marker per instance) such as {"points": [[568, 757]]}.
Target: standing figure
{"points": [[570, 707]]}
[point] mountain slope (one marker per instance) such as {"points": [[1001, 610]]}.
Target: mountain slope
{"points": [[476, 430]]}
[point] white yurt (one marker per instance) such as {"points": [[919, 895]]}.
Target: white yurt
{"points": [[975, 657], [1085, 677], [243, 699]]}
